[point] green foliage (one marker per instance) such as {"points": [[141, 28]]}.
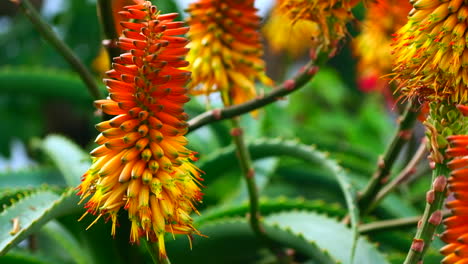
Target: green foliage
{"points": [[30, 212], [68, 157]]}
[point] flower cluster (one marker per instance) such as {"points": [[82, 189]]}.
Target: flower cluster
{"points": [[456, 234], [226, 51], [142, 164], [373, 45], [431, 58], [296, 25]]}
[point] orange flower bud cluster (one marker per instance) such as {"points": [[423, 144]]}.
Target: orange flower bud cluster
{"points": [[456, 234], [142, 164]]}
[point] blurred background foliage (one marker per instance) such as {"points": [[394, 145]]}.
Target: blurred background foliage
{"points": [[41, 96]]}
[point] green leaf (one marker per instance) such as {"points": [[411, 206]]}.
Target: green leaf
{"points": [[32, 177], [70, 159], [270, 206], [44, 83], [328, 234], [60, 239], [21, 257], [32, 211], [231, 241], [263, 148]]}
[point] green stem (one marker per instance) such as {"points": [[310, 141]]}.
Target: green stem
{"points": [[248, 171], [425, 233], [153, 250], [385, 163], [110, 34], [277, 93], [46, 32], [402, 177], [386, 225]]}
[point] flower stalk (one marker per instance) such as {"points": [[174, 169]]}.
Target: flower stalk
{"points": [[287, 87], [110, 34], [432, 216], [385, 163], [248, 172], [47, 33]]}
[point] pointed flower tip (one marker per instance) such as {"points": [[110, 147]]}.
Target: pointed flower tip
{"points": [[142, 165]]}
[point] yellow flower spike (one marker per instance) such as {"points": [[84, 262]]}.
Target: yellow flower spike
{"points": [[429, 52], [317, 23], [225, 50], [143, 144]]}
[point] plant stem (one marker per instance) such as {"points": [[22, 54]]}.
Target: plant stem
{"points": [[47, 32], [277, 93], [110, 34], [403, 176], [386, 162], [248, 171], [153, 250], [428, 225]]}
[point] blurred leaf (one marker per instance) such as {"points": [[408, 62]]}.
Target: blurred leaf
{"points": [[70, 159], [328, 234], [59, 239], [31, 212], [22, 257], [32, 177], [44, 83]]}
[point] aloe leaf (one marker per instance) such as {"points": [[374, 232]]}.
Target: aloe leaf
{"points": [[61, 239], [231, 241], [270, 206], [328, 234], [31, 177], [70, 159], [44, 83], [30, 212], [263, 148]]}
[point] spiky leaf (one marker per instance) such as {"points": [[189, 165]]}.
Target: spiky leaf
{"points": [[68, 157], [30, 212]]}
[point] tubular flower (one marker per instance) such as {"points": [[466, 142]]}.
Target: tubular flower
{"points": [[373, 45], [315, 23], [226, 51], [431, 58], [456, 234], [142, 164]]}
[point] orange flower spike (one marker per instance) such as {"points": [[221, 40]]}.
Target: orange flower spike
{"points": [[430, 52], [142, 152], [225, 50], [373, 45], [456, 233]]}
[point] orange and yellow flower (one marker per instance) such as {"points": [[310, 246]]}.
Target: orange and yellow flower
{"points": [[373, 45], [298, 25], [142, 164], [226, 51], [456, 234], [431, 58]]}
